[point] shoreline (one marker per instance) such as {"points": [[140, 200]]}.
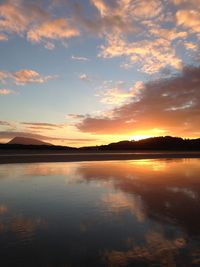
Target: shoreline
{"points": [[10, 158]]}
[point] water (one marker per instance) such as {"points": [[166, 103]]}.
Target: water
{"points": [[120, 213]]}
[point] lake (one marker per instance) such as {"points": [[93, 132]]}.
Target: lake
{"points": [[106, 213]]}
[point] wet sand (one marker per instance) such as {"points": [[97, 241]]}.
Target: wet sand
{"points": [[31, 157]]}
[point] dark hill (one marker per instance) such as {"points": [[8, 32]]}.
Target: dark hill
{"points": [[27, 141], [155, 143]]}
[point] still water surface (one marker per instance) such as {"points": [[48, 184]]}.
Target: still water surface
{"points": [[120, 213]]}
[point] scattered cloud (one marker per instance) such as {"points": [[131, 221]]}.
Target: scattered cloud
{"points": [[8, 125], [150, 55], [117, 94], [29, 76], [74, 116], [84, 77], [169, 34], [152, 47], [190, 46], [6, 91], [12, 134], [4, 123], [172, 104], [78, 58], [52, 30], [49, 45], [145, 33], [16, 16], [4, 76], [24, 76], [42, 126], [26, 18], [189, 19], [3, 37]]}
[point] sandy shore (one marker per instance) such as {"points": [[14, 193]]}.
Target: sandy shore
{"points": [[25, 157]]}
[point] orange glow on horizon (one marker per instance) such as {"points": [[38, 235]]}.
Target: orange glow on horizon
{"points": [[139, 137]]}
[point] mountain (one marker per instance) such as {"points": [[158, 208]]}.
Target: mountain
{"points": [[27, 141]]}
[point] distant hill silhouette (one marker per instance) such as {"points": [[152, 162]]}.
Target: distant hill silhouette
{"points": [[19, 144], [155, 143], [27, 141]]}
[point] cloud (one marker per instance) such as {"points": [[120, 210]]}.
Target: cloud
{"points": [[12, 134], [101, 6], [172, 104], [150, 55], [4, 123], [130, 30], [26, 18], [80, 58], [111, 16], [30, 76], [75, 116], [4, 76], [24, 76], [126, 29], [123, 18], [84, 77], [42, 126], [169, 34], [189, 19], [52, 29], [49, 46], [145, 10], [190, 46], [186, 3], [116, 94], [16, 16], [119, 16], [7, 125], [3, 37], [6, 91]]}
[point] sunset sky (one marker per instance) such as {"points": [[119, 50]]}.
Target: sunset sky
{"points": [[91, 72]]}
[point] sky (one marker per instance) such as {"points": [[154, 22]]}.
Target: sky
{"points": [[91, 72]]}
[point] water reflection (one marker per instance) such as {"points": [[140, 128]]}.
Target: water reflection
{"points": [[119, 203], [157, 251], [128, 213], [3, 209], [171, 194]]}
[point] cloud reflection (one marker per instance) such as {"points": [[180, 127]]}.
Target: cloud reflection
{"points": [[157, 251], [119, 203], [167, 191], [157, 202]]}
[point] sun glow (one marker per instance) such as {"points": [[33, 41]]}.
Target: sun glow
{"points": [[139, 137], [151, 133]]}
